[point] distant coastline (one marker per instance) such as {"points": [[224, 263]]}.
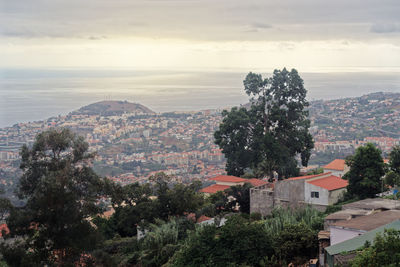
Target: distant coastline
{"points": [[31, 95]]}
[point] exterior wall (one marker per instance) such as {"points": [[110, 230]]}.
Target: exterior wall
{"points": [[291, 191], [339, 235], [261, 200], [336, 195], [323, 194]]}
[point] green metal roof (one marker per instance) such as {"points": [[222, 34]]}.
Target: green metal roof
{"points": [[359, 241]]}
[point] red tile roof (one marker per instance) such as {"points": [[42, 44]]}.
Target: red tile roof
{"points": [[330, 183], [202, 218], [256, 182], [3, 227], [337, 164], [214, 188], [307, 176], [228, 178]]}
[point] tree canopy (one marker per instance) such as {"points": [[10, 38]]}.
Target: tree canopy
{"points": [[268, 136], [61, 193], [384, 252], [393, 175], [366, 171]]}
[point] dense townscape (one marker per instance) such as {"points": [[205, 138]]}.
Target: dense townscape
{"points": [[133, 145], [180, 188], [130, 146]]}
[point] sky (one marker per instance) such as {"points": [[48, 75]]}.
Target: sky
{"points": [[309, 35]]}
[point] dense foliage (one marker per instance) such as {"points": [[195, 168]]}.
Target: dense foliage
{"points": [[61, 193], [268, 136], [385, 251], [366, 172], [392, 177]]}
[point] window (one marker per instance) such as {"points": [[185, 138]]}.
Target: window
{"points": [[314, 194]]}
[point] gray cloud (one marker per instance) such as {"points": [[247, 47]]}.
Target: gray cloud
{"points": [[284, 20], [385, 28], [261, 25]]}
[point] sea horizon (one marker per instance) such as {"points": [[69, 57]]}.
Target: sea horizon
{"points": [[37, 94]]}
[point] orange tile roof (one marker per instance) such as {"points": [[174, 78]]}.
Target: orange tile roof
{"points": [[3, 227], [228, 178], [307, 176], [330, 183], [337, 164], [256, 182], [202, 218], [212, 189]]}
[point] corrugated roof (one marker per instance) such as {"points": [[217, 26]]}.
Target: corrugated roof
{"points": [[346, 214], [330, 183], [228, 178], [337, 164], [359, 241], [373, 204], [214, 188], [369, 222]]}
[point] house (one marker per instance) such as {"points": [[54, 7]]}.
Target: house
{"points": [[341, 253], [225, 181], [337, 167], [346, 229], [318, 190], [357, 218]]}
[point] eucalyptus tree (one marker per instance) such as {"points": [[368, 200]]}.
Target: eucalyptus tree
{"points": [[267, 136]]}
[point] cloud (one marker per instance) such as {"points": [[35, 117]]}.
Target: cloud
{"points": [[206, 20], [261, 26], [385, 28]]}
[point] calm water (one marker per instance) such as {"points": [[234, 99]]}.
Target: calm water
{"points": [[28, 95]]}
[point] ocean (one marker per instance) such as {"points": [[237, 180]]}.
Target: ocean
{"points": [[36, 94]]}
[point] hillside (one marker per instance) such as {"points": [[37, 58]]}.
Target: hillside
{"points": [[376, 114], [108, 108]]}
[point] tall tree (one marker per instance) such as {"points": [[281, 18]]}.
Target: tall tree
{"points": [[269, 135], [394, 160], [61, 192], [366, 171]]}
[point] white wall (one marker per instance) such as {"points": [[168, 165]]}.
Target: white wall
{"points": [[323, 194], [339, 235]]}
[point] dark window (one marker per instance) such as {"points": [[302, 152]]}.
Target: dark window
{"points": [[314, 194]]}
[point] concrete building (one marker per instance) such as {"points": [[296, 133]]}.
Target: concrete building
{"points": [[318, 190], [341, 253], [347, 229]]}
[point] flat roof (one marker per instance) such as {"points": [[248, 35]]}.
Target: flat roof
{"points": [[345, 214], [369, 222], [373, 204]]}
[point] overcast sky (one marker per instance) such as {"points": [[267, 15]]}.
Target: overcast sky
{"points": [[310, 35]]}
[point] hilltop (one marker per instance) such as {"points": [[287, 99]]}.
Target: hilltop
{"points": [[108, 108], [375, 114]]}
